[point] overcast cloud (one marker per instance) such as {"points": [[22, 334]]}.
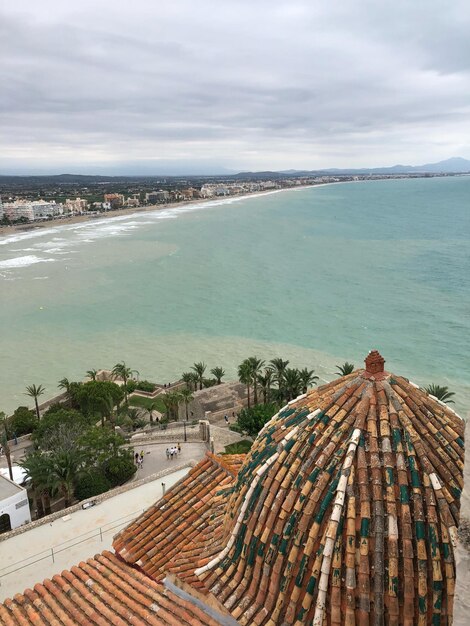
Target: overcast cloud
{"points": [[152, 87]]}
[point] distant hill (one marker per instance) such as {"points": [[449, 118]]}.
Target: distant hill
{"points": [[454, 165]]}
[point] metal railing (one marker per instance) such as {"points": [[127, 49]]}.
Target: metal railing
{"points": [[53, 551]]}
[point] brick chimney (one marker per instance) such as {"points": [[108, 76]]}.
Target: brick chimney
{"points": [[374, 362]]}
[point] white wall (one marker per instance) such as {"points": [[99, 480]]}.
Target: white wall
{"points": [[19, 513]]}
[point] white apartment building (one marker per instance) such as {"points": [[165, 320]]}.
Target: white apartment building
{"points": [[31, 210]]}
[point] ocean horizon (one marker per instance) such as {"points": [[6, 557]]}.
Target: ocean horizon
{"points": [[317, 275]]}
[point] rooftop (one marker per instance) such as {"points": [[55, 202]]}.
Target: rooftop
{"points": [[8, 488], [344, 512]]}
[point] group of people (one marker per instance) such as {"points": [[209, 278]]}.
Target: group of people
{"points": [[139, 459], [173, 451]]}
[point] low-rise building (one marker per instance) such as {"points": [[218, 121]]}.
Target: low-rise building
{"points": [[156, 197], [14, 505], [76, 205], [116, 200]]}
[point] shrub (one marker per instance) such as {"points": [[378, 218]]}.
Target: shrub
{"points": [[23, 422], [252, 420], [91, 484], [145, 385], [120, 468], [131, 386], [236, 428]]}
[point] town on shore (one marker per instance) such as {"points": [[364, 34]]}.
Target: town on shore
{"points": [[30, 201]]}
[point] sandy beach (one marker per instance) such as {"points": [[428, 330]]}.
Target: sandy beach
{"points": [[77, 219]]}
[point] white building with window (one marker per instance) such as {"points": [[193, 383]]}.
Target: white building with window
{"points": [[14, 505]]}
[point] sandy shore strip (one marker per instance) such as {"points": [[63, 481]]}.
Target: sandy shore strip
{"points": [[77, 219]]}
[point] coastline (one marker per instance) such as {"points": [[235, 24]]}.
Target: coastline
{"points": [[78, 219]]}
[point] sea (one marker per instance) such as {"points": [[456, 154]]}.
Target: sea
{"points": [[315, 275]]}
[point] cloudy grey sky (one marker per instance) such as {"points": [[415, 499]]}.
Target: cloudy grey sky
{"points": [[146, 86]]}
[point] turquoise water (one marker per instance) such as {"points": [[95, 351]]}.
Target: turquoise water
{"points": [[319, 275]]}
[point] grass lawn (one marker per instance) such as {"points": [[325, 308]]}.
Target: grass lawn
{"points": [[146, 403]]}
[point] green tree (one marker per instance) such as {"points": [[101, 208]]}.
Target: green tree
{"points": [[59, 418], [34, 392], [23, 421], [251, 420], [218, 373], [38, 471], [256, 366], [292, 383], [279, 366], [124, 373], [190, 379], [154, 407], [91, 374], [4, 441], [441, 393], [244, 376], [171, 400], [187, 397], [64, 384], [307, 379], [345, 369], [65, 469], [98, 398], [265, 381], [199, 369]]}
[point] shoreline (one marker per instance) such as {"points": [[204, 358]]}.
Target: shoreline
{"points": [[78, 219]]}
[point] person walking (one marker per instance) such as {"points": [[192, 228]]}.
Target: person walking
{"points": [[226, 419], [167, 454], [136, 456], [179, 448]]}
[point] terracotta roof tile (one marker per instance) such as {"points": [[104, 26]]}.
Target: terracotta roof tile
{"points": [[101, 591], [182, 530], [345, 510]]}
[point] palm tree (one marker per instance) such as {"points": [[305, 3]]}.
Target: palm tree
{"points": [[441, 393], [65, 468], [38, 470], [35, 392], [91, 374], [172, 400], [189, 378], [265, 382], [187, 397], [218, 373], [345, 369], [150, 409], [199, 369], [244, 376], [64, 383], [4, 442], [122, 372], [292, 382], [279, 367], [256, 366], [307, 379]]}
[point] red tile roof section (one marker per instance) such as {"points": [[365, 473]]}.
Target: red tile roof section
{"points": [[101, 591], [345, 511], [182, 531]]}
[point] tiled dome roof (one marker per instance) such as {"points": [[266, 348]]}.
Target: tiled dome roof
{"points": [[346, 510]]}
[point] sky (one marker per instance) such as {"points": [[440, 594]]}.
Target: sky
{"points": [[207, 86]]}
